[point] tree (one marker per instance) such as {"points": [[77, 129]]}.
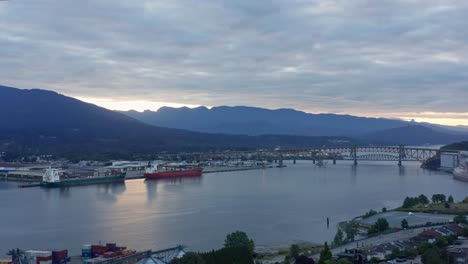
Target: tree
{"points": [[351, 230], [239, 239], [404, 224], [325, 254], [465, 231], [433, 256], [370, 213], [438, 198], [460, 219], [343, 261], [339, 238], [450, 199], [382, 224], [423, 199], [294, 251]]}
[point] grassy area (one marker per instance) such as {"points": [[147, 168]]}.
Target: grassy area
{"points": [[455, 208]]}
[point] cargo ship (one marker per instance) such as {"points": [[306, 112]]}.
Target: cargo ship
{"points": [[461, 172], [166, 171], [56, 178]]}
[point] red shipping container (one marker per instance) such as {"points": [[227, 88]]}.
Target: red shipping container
{"points": [[98, 249], [59, 256], [111, 245], [40, 259]]}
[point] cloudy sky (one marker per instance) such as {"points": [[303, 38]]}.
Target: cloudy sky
{"points": [[390, 58]]}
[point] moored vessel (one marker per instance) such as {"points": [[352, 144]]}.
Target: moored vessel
{"points": [[167, 171], [56, 178], [461, 172]]}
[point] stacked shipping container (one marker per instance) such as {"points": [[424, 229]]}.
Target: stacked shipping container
{"points": [[91, 254]]}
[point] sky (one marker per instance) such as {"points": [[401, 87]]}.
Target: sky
{"points": [[388, 58]]}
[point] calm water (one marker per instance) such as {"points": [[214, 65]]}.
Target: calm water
{"points": [[273, 206]]}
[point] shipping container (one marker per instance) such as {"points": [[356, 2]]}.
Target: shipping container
{"points": [[5, 261], [38, 253]]}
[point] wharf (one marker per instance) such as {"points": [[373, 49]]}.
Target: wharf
{"points": [[228, 169]]}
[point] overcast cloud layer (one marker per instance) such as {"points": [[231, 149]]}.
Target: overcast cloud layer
{"points": [[386, 58]]}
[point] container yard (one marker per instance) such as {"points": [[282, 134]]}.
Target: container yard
{"points": [[109, 253]]}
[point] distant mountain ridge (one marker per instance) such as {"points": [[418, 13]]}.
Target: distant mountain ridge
{"points": [[412, 135], [257, 121], [44, 122]]}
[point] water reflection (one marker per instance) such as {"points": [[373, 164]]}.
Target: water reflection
{"points": [[401, 170], [108, 192], [151, 191], [353, 173]]}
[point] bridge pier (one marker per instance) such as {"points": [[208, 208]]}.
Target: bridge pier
{"points": [[401, 153], [294, 161], [280, 162], [354, 154]]}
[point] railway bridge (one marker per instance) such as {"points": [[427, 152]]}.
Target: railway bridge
{"points": [[355, 153]]}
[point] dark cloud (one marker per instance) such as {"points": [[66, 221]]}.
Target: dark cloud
{"points": [[365, 57]]}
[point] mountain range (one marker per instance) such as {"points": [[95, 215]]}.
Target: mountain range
{"points": [[257, 121], [44, 122]]}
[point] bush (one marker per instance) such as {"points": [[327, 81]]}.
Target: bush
{"points": [[370, 213]]}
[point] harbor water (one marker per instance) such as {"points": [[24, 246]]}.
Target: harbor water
{"points": [[274, 206]]}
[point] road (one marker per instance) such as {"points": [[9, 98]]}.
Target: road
{"points": [[381, 239]]}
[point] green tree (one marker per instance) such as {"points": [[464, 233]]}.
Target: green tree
{"points": [[343, 261], [433, 256], [404, 224], [339, 238], [450, 199], [294, 251], [423, 199], [382, 224], [438, 198], [239, 239], [325, 254], [465, 231], [370, 213], [351, 229], [460, 219]]}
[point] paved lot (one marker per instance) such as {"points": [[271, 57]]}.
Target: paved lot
{"points": [[394, 218]]}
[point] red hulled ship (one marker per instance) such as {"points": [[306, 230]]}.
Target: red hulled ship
{"points": [[166, 171]]}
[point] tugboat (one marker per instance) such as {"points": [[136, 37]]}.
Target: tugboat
{"points": [[56, 178], [168, 171]]}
